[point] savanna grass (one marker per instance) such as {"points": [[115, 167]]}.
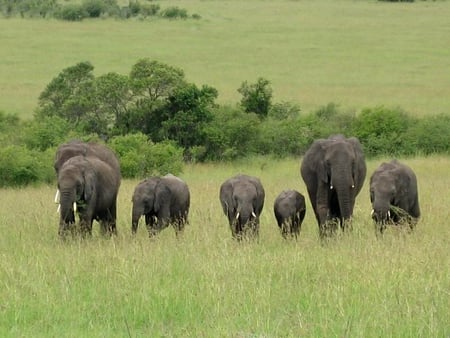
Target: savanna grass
{"points": [[356, 54], [207, 285]]}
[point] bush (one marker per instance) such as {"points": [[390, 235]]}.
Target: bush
{"points": [[72, 12], [94, 8], [430, 135], [46, 132], [257, 97], [382, 131], [140, 157], [174, 13], [20, 166]]}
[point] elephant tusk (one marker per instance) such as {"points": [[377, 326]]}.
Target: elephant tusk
{"points": [[372, 212], [74, 206], [353, 186], [389, 214], [331, 187], [253, 214], [57, 196], [237, 216], [59, 208]]}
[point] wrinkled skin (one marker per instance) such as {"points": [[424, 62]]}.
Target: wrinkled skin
{"points": [[333, 170], [93, 186], [289, 209], [163, 201], [242, 200], [393, 185]]}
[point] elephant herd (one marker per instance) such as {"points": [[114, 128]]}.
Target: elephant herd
{"points": [[333, 169]]}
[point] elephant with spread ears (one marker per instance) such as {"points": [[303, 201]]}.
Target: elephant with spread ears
{"points": [[333, 170], [289, 209], [394, 195], [163, 201], [89, 189], [242, 200]]}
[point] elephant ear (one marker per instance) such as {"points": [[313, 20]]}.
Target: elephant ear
{"points": [[359, 168], [315, 157]]}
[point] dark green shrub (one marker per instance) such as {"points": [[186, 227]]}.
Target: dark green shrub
{"points": [[72, 12], [47, 132], [257, 97], [174, 12], [430, 135], [94, 8], [140, 157], [382, 131], [284, 110], [149, 10], [231, 134], [20, 166]]}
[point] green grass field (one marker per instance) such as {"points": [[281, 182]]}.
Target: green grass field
{"points": [[206, 285], [354, 53]]}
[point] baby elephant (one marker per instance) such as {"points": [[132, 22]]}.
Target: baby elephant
{"points": [[289, 208], [394, 196], [163, 201]]}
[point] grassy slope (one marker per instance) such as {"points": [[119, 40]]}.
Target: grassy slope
{"points": [[354, 53], [207, 286]]}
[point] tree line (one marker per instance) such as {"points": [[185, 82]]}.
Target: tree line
{"points": [[156, 120]]}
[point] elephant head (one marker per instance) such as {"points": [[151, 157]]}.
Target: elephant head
{"points": [[163, 200], [242, 199], [334, 171], [76, 184], [393, 194]]}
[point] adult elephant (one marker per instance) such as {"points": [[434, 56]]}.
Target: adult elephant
{"points": [[289, 209], [163, 201], [76, 147], [89, 188], [333, 170], [242, 200], [394, 195]]}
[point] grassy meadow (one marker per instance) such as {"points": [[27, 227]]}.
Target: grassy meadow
{"points": [[354, 53], [206, 285]]}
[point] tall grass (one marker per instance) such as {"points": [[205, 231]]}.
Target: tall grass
{"points": [[355, 53], [206, 285]]}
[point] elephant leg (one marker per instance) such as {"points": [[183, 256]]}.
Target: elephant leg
{"points": [[151, 222]]}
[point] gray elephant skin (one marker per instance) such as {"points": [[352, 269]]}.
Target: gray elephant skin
{"points": [[76, 147], [333, 170], [89, 188], [242, 200], [394, 195], [163, 201], [289, 209]]}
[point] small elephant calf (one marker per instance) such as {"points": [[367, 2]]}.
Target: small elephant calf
{"points": [[290, 209]]}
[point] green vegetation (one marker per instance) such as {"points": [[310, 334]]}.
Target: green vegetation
{"points": [[206, 285]]}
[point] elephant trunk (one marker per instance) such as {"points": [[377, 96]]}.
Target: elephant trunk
{"points": [[344, 189], [381, 212], [67, 212]]}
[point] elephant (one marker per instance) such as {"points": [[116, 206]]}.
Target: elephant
{"points": [[77, 147], [163, 201], [290, 209], [394, 195], [334, 171], [242, 200], [88, 187]]}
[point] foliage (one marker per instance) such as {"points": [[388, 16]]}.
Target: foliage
{"points": [[20, 166], [256, 97], [89, 9], [139, 157], [47, 132], [381, 130]]}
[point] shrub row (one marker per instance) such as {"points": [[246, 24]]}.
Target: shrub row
{"points": [[90, 9], [27, 149]]}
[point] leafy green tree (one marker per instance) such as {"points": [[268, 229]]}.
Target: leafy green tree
{"points": [[187, 111], [257, 97], [65, 96]]}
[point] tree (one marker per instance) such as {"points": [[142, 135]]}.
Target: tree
{"points": [[256, 98], [187, 111]]}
